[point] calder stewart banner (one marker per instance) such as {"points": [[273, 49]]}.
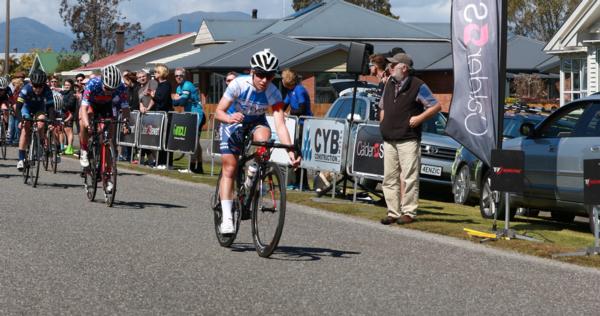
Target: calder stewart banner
{"points": [[473, 120]]}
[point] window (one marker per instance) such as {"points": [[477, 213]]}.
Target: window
{"points": [[563, 124], [589, 124], [342, 109], [435, 125], [324, 92], [575, 78]]}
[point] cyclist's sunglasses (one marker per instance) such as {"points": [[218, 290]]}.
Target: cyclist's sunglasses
{"points": [[263, 75], [37, 86]]}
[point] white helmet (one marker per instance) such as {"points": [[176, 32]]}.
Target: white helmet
{"points": [[58, 100], [111, 76], [264, 61], [3, 82]]}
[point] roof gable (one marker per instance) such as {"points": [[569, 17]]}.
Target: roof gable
{"points": [[143, 48], [575, 31], [48, 61], [316, 23], [215, 31]]}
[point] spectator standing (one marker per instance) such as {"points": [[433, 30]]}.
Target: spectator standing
{"points": [[147, 85], [14, 133], [298, 100], [188, 97], [70, 108], [162, 102], [230, 76], [79, 85], [133, 99], [53, 84], [406, 103]]}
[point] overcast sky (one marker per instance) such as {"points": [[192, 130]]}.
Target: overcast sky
{"points": [[148, 12]]}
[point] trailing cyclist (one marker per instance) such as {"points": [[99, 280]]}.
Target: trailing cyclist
{"points": [[5, 96], [244, 104], [35, 101], [103, 97]]}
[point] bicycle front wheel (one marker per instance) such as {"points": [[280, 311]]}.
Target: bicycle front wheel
{"points": [[109, 174], [268, 210], [91, 173], [2, 139], [36, 158]]}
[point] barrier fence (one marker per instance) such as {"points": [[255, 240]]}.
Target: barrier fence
{"points": [[324, 142]]}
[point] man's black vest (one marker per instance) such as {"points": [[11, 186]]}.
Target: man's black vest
{"points": [[399, 108]]}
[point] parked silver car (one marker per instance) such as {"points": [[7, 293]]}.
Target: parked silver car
{"points": [[554, 153]]}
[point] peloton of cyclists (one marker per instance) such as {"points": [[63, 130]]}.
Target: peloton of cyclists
{"points": [[244, 103]]}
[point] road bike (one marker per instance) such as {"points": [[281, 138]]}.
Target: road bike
{"points": [[34, 153], [102, 156], [51, 153], [4, 119], [263, 201]]}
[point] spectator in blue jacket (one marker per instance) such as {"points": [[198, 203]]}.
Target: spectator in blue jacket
{"points": [[187, 96], [298, 100]]}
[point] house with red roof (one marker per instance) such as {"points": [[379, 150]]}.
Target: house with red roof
{"points": [[136, 57]]}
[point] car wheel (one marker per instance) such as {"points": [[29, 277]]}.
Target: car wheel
{"points": [[562, 217], [486, 200], [461, 186]]}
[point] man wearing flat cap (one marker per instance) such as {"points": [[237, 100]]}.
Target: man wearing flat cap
{"points": [[406, 103]]}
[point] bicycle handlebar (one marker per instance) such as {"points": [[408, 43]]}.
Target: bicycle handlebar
{"points": [[272, 144]]}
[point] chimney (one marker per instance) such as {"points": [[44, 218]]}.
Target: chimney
{"points": [[254, 14], [120, 45]]}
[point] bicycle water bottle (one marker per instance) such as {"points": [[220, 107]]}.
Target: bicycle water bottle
{"points": [[252, 168]]}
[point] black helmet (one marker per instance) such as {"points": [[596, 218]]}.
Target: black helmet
{"points": [[38, 77]]}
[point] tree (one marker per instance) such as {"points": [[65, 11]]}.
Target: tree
{"points": [[539, 19], [379, 6], [26, 60], [68, 62], [529, 86], [94, 23]]}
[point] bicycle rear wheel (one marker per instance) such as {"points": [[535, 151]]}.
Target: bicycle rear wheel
{"points": [[268, 210], [225, 240], [2, 138], [90, 180], [37, 155], [47, 149], [109, 174]]}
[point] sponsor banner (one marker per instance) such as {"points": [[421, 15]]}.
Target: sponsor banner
{"points": [[473, 119], [280, 155], [215, 138], [131, 138], [183, 132], [591, 181], [151, 130], [367, 158], [323, 144], [508, 174]]}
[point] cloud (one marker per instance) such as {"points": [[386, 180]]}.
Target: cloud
{"points": [[422, 10]]}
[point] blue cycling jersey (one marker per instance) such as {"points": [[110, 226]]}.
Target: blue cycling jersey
{"points": [[35, 103]]}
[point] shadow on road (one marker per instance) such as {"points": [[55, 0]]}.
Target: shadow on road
{"points": [[143, 205], [289, 253], [58, 185], [6, 176]]}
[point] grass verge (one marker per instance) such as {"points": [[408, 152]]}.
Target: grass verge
{"points": [[438, 215]]}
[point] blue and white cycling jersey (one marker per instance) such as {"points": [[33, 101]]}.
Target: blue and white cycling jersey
{"points": [[250, 102]]}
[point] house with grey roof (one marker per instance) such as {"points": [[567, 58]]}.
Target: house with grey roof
{"points": [[310, 43]]}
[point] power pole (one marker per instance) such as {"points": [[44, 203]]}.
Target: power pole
{"points": [[7, 43]]}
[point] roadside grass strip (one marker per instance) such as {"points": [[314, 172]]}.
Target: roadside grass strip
{"points": [[439, 217]]}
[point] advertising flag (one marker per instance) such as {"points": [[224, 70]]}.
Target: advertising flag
{"points": [[476, 34]]}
